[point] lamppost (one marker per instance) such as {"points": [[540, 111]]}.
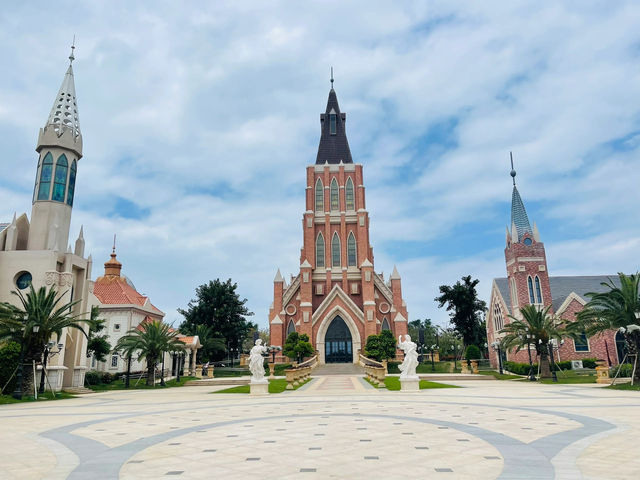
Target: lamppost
{"points": [[550, 353], [45, 356], [433, 365], [180, 356], [126, 356], [456, 350], [497, 347], [529, 337], [273, 350], [162, 383]]}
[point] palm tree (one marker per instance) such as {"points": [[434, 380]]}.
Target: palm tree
{"points": [[536, 327], [42, 315], [616, 309], [150, 340]]}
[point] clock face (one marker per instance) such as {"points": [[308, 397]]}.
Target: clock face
{"points": [[528, 241], [24, 280]]}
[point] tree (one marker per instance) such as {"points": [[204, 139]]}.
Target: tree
{"points": [[213, 346], [381, 347], [466, 309], [97, 345], [430, 331], [218, 306], [150, 340], [450, 343], [248, 343], [297, 346], [616, 309], [536, 328], [45, 312]]}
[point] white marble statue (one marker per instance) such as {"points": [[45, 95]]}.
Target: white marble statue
{"points": [[410, 363], [256, 362]]}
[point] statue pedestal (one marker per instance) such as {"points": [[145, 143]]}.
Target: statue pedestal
{"points": [[410, 384], [259, 388]]}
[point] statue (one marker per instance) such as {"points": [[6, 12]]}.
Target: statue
{"points": [[410, 363], [256, 362]]}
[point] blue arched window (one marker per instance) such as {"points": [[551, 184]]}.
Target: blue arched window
{"points": [[349, 195], [320, 250], [335, 250], [335, 199], [351, 250], [72, 183], [291, 327], [60, 179], [385, 324], [319, 196], [45, 177], [538, 291], [532, 299]]}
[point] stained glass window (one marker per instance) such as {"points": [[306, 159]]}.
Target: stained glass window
{"points": [[45, 177], [351, 250], [349, 196], [335, 199], [335, 250], [72, 183], [538, 291], [60, 179], [319, 196], [532, 300], [320, 251]]}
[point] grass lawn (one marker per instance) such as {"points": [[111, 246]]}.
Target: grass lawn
{"points": [[440, 367], [498, 376], [570, 377], [393, 383], [220, 372], [624, 386], [278, 385], [6, 399], [119, 385]]}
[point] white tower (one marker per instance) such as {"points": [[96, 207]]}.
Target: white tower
{"points": [[60, 149]]}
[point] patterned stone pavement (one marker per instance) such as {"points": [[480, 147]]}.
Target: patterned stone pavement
{"points": [[333, 427]]}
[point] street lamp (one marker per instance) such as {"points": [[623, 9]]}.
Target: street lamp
{"points": [[45, 356], [498, 348], [126, 356], [532, 377], [433, 365]]}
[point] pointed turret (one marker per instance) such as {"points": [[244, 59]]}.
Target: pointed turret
{"points": [[519, 219], [334, 147], [278, 278], [79, 250]]}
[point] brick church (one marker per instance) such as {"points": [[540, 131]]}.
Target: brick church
{"points": [[337, 298], [528, 282]]}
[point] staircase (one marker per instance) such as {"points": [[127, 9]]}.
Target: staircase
{"points": [[338, 369], [78, 390]]}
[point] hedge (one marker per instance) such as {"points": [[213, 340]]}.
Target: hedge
{"points": [[9, 358], [626, 369]]}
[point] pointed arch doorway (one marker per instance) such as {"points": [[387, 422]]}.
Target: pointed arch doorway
{"points": [[338, 344]]}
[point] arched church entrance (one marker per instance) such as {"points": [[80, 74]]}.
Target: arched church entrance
{"points": [[338, 346]]}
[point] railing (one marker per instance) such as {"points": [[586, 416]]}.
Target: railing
{"points": [[374, 370], [298, 373]]}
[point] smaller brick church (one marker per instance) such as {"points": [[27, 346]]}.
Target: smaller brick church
{"points": [[337, 298], [528, 283]]}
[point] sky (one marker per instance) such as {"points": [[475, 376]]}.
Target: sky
{"points": [[199, 118]]}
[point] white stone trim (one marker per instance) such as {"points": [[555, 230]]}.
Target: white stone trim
{"points": [[276, 321], [336, 291], [356, 342], [567, 301]]}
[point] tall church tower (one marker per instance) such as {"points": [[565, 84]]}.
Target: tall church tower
{"points": [[59, 148], [525, 257], [337, 299]]}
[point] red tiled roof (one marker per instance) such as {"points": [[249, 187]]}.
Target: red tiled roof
{"points": [[111, 290], [186, 340]]}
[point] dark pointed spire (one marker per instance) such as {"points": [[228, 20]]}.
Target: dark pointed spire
{"points": [[334, 146], [519, 218]]}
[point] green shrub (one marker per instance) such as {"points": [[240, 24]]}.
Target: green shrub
{"points": [[92, 378], [107, 377], [472, 353], [626, 369], [381, 347], [590, 362], [564, 365], [520, 368], [393, 367], [9, 358]]}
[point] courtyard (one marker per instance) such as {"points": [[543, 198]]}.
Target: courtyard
{"points": [[336, 426]]}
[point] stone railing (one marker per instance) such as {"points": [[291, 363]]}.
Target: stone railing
{"points": [[298, 373], [374, 370]]}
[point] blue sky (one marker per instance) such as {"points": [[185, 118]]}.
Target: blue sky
{"points": [[199, 119]]}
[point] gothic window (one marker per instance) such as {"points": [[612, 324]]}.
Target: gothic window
{"points": [[385, 324], [335, 201], [291, 328], [45, 177], [351, 250], [538, 291], [514, 292], [335, 250], [320, 250], [114, 361], [532, 300], [349, 195], [581, 343], [332, 123], [319, 196], [72, 183], [498, 320], [60, 179]]}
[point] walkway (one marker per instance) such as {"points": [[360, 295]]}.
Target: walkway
{"points": [[487, 430]]}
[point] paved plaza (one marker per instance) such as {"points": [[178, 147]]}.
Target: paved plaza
{"points": [[334, 427]]}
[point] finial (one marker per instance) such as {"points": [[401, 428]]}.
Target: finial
{"points": [[114, 243], [331, 78], [73, 47], [513, 172]]}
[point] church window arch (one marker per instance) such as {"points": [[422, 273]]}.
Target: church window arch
{"points": [[332, 123], [320, 250], [319, 196], [45, 177], [335, 250], [514, 292], [72, 183], [349, 195], [291, 327], [532, 299], [60, 179], [498, 319], [385, 324], [335, 199], [538, 290], [351, 250]]}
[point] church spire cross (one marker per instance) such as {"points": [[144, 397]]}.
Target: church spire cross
{"points": [[73, 47], [519, 218], [331, 78], [114, 244], [513, 172]]}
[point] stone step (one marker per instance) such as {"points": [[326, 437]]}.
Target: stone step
{"points": [[218, 381], [78, 390]]}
